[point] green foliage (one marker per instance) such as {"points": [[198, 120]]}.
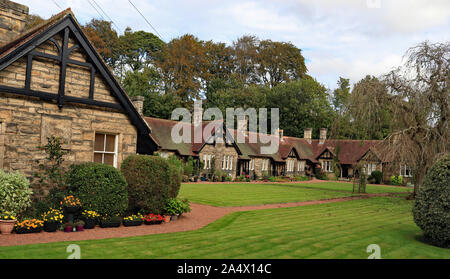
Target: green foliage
{"points": [[300, 178], [175, 173], [432, 205], [152, 181], [15, 192], [51, 172], [99, 187], [272, 178], [189, 167], [377, 176], [228, 178], [176, 206], [396, 180], [319, 174]]}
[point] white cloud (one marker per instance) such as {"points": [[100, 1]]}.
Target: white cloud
{"points": [[348, 38]]}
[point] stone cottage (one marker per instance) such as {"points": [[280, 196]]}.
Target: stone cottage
{"points": [[54, 83]]}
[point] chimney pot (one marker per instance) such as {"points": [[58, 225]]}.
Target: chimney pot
{"points": [[12, 20], [323, 135], [307, 134], [138, 102]]}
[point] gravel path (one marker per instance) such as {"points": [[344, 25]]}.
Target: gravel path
{"points": [[200, 216]]}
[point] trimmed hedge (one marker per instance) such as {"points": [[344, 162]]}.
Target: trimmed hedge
{"points": [[152, 181], [377, 176], [432, 205], [99, 187]]}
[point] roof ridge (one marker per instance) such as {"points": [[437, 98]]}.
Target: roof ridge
{"points": [[38, 27]]}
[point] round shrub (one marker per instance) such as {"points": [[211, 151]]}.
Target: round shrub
{"points": [[100, 187], [152, 181], [377, 176], [15, 192], [397, 180], [432, 205]]}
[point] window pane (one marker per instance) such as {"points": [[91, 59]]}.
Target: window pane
{"points": [[110, 143], [98, 158], [99, 144], [109, 159]]}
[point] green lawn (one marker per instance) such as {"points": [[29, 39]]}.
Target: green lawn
{"points": [[348, 187], [265, 193], [239, 194], [334, 230]]}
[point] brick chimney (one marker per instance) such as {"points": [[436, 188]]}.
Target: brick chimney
{"points": [[323, 135], [198, 113], [242, 125], [12, 20], [138, 102], [307, 134]]}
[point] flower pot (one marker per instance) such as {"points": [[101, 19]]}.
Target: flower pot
{"points": [[167, 219], [173, 217], [50, 226], [89, 223], [110, 224], [68, 229], [71, 209], [153, 222], [128, 223], [80, 228], [7, 226]]}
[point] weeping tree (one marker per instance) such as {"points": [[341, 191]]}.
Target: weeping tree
{"points": [[418, 100]]}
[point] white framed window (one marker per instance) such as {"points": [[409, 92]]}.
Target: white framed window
{"points": [[106, 149], [164, 154], [290, 165], [327, 166], [252, 164], [300, 166], [265, 164], [405, 171], [205, 164], [227, 162], [369, 168]]}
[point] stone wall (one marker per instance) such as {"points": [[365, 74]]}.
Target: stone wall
{"points": [[12, 20], [26, 122], [219, 150]]}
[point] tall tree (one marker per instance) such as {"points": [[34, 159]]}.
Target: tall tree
{"points": [[184, 67], [279, 62], [303, 104], [420, 93], [105, 40]]}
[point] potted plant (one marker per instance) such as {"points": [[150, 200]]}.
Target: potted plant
{"points": [[151, 219], [176, 207], [69, 227], [110, 222], [79, 225], [90, 218], [7, 222], [29, 226], [133, 220], [52, 219], [71, 206]]}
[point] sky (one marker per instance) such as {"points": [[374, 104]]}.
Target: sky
{"points": [[338, 38]]}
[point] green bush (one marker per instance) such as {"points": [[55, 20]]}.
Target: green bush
{"points": [[15, 192], [152, 181], [396, 180], [431, 209], [300, 178], [99, 187], [176, 206], [377, 176]]}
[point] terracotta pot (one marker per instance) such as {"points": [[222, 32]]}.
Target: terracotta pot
{"points": [[7, 226], [50, 227], [68, 229], [167, 219]]}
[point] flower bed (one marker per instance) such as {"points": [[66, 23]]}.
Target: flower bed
{"points": [[133, 220], [151, 219], [29, 226]]}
